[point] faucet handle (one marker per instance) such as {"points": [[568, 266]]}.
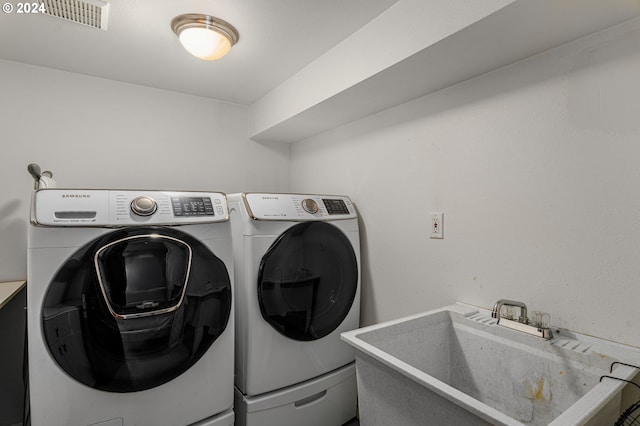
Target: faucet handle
{"points": [[508, 312], [540, 319]]}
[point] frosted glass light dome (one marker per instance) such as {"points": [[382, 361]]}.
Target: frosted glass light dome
{"points": [[204, 36]]}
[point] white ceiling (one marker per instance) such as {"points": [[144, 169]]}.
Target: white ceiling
{"points": [[277, 38]]}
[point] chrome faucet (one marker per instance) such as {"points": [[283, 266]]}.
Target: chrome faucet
{"points": [[522, 324], [524, 319]]}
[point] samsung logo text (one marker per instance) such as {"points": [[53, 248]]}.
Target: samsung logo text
{"points": [[76, 195]]}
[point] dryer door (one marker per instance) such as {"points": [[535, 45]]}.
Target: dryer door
{"points": [[307, 281], [135, 308]]}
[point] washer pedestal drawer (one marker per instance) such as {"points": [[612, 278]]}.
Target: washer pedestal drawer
{"points": [[328, 400]]}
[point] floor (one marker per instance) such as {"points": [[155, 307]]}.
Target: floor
{"points": [[353, 422]]}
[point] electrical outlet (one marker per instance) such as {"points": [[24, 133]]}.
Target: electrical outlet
{"points": [[437, 226]]}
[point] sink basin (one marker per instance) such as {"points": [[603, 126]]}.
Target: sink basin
{"points": [[455, 365]]}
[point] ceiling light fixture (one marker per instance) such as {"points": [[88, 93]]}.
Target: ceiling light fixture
{"points": [[204, 36]]}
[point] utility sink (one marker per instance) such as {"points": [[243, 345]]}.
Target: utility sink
{"points": [[455, 365]]}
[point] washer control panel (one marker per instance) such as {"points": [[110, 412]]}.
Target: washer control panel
{"points": [[78, 207], [298, 207]]}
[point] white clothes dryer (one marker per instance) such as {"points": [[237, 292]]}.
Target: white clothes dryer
{"points": [[129, 308], [297, 260]]}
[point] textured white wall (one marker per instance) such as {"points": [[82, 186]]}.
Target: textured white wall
{"points": [[536, 168], [97, 133]]}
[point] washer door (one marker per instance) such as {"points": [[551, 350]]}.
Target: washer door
{"points": [[135, 308], [307, 281]]}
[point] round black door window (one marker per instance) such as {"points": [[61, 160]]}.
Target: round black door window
{"points": [[307, 281], [135, 308]]}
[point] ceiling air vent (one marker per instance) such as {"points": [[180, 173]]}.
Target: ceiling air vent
{"points": [[93, 13]]}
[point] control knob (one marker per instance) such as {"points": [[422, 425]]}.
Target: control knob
{"points": [[144, 206], [310, 206]]}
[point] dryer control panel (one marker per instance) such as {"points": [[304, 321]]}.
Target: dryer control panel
{"points": [[95, 207], [298, 207]]}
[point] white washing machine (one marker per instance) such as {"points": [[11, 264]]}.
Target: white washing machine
{"points": [[130, 311], [297, 269]]}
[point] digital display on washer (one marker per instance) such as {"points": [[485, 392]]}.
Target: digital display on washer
{"points": [[192, 206], [335, 206]]}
